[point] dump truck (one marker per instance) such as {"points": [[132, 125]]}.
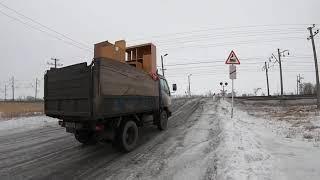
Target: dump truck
{"points": [[106, 101]]}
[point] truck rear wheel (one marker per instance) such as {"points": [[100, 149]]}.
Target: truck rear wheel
{"points": [[85, 137], [127, 136], [163, 121]]}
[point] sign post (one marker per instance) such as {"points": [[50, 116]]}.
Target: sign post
{"points": [[232, 60], [232, 76]]}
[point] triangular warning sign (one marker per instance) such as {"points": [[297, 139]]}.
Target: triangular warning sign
{"points": [[232, 59]]}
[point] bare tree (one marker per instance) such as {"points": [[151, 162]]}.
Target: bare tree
{"points": [[308, 89]]}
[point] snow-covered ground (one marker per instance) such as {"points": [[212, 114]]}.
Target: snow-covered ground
{"points": [[20, 124], [257, 147], [260, 142]]}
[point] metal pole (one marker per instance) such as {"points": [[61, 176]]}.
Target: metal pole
{"points": [[265, 63], [35, 95], [189, 85], [55, 64], [5, 92], [232, 100], [162, 66], [223, 92], [297, 85], [12, 83], [279, 54], [315, 66]]}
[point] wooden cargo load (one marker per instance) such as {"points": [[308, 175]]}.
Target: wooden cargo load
{"points": [[143, 56], [115, 51]]}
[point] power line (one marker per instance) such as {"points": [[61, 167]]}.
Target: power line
{"points": [[247, 58], [221, 61], [42, 25], [223, 44], [216, 67], [15, 85], [220, 28], [221, 74], [45, 32], [197, 38], [219, 69], [248, 65]]}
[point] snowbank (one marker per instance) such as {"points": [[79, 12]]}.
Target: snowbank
{"points": [[253, 148], [25, 124], [240, 155]]}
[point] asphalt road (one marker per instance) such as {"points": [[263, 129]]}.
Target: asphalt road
{"points": [[51, 153]]}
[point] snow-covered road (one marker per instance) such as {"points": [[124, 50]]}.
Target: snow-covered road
{"points": [[46, 151], [186, 151], [202, 142]]}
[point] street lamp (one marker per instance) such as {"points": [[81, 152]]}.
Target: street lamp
{"points": [[162, 63], [189, 90]]}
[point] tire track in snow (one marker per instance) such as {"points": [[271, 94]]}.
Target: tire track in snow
{"points": [[51, 153]]}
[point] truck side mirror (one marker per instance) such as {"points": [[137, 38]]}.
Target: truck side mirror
{"points": [[174, 87]]}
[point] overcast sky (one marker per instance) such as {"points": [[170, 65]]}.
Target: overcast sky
{"points": [[189, 31]]}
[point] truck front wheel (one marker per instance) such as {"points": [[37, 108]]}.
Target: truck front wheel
{"points": [[85, 137], [127, 136], [163, 121]]}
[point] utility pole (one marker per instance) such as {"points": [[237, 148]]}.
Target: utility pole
{"points": [[36, 89], [311, 37], [265, 67], [12, 86], [299, 78], [55, 64], [5, 92], [162, 68], [297, 85], [189, 89], [279, 56], [278, 60]]}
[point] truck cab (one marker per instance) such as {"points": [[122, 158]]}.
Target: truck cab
{"points": [[165, 94]]}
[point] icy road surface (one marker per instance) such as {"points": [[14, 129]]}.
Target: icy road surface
{"points": [[202, 142], [46, 151]]}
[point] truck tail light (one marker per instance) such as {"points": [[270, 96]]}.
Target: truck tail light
{"points": [[99, 127]]}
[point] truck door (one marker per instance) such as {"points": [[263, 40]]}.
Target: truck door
{"points": [[165, 93]]}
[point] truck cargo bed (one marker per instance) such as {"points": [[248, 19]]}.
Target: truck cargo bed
{"points": [[68, 91], [104, 89]]}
